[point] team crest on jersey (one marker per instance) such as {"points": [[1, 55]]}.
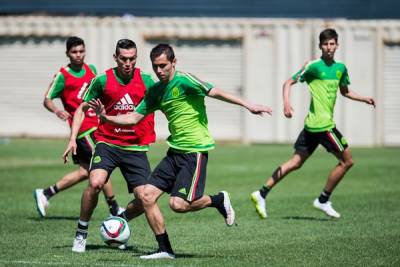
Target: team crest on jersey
{"points": [[175, 92], [97, 159], [125, 103], [338, 74]]}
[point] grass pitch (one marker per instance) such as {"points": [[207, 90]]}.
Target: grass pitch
{"points": [[368, 234]]}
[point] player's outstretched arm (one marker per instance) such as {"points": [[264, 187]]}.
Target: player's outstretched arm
{"points": [[220, 94], [287, 107], [127, 119], [346, 92], [76, 125]]}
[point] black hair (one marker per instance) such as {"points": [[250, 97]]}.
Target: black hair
{"points": [[162, 49], [328, 34], [74, 41], [124, 44]]}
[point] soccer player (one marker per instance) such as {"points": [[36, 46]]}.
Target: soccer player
{"points": [[324, 76], [69, 85], [121, 89], [182, 172]]}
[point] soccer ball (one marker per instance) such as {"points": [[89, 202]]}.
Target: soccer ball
{"points": [[115, 231]]}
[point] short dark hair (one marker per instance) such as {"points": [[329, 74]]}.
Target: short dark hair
{"points": [[74, 41], [328, 34], [124, 44], [162, 49]]}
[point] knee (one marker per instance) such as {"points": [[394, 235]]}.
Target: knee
{"points": [[146, 197], [96, 185], [348, 164], [178, 205]]}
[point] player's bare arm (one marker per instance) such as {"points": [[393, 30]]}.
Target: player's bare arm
{"points": [[287, 107], [51, 106], [346, 92], [220, 94], [127, 119], [76, 125]]}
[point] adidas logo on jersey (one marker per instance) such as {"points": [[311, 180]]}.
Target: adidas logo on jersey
{"points": [[125, 103]]}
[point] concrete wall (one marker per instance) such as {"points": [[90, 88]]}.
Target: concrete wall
{"points": [[273, 49]]}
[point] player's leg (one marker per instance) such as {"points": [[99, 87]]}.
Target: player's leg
{"points": [[187, 193], [84, 153], [334, 142], [97, 179], [42, 196], [135, 168], [103, 164], [111, 200], [161, 180], [305, 145], [156, 221]]}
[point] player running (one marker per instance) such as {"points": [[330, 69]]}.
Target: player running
{"points": [[69, 85], [324, 76], [182, 172], [121, 89]]}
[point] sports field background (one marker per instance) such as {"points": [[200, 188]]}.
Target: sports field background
{"points": [[368, 234]]}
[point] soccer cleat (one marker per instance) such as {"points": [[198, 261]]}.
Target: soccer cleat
{"points": [[158, 255], [230, 213], [259, 203], [79, 245], [41, 202], [118, 212], [326, 208], [122, 247]]}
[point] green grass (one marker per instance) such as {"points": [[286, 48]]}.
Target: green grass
{"points": [[368, 234]]}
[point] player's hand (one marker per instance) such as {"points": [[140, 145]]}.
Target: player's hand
{"points": [[63, 115], [259, 109], [370, 101], [288, 111], [71, 147], [97, 107]]}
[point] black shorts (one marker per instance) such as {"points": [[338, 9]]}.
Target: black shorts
{"points": [[134, 165], [332, 140], [84, 150], [181, 174]]}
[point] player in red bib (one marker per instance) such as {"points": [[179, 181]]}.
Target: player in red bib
{"points": [[121, 89], [69, 85]]}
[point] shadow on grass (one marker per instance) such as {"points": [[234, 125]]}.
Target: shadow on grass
{"points": [[55, 218], [307, 218]]}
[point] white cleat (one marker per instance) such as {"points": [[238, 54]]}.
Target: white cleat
{"points": [[122, 247], [259, 203], [158, 255], [230, 213], [326, 208], [79, 245], [41, 202]]}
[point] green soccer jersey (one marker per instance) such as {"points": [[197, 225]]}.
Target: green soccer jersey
{"points": [[323, 82], [98, 84], [58, 84], [182, 102]]}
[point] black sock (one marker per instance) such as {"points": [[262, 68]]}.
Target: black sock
{"points": [[217, 201], [112, 205], [264, 190], [82, 229], [163, 243], [50, 191], [324, 197]]}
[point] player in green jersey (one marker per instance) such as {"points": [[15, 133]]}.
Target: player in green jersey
{"points": [[68, 85], [324, 76], [182, 172]]}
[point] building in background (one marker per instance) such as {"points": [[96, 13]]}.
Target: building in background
{"points": [[246, 47]]}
